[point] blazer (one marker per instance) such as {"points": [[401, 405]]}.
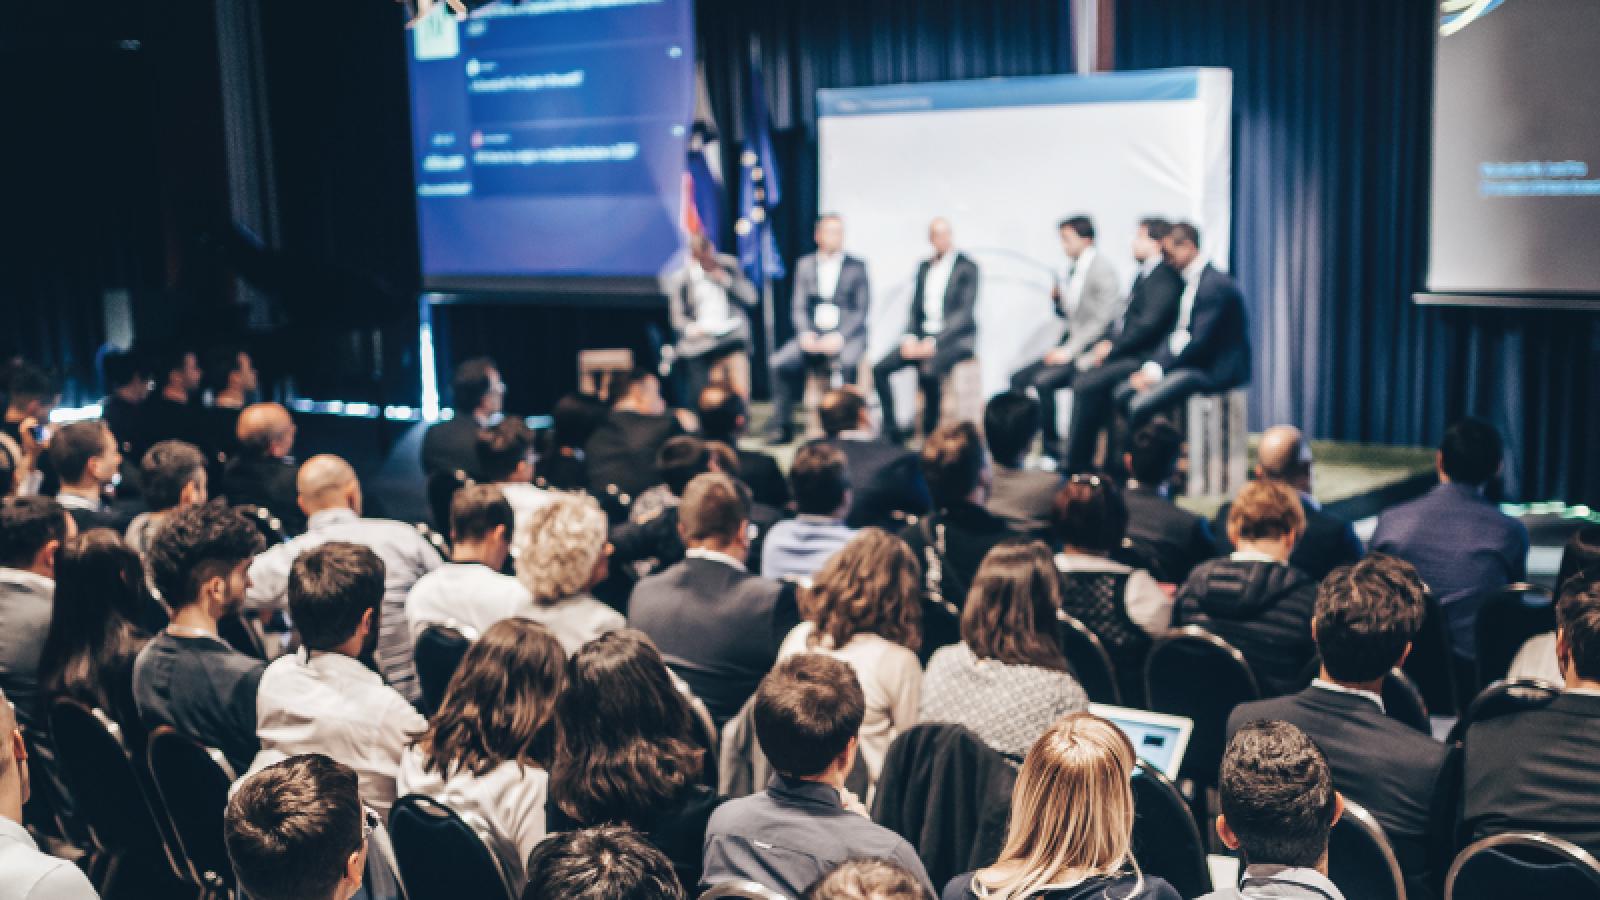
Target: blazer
{"points": [[1535, 771], [1097, 307], [1328, 542], [680, 307], [853, 296], [884, 480], [1024, 497], [448, 446], [958, 339], [622, 451], [1219, 334], [1152, 313], [1170, 540]]}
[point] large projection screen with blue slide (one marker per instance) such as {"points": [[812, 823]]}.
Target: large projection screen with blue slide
{"points": [[1005, 160], [549, 141]]}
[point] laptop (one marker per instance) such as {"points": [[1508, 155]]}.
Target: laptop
{"points": [[1159, 739]]}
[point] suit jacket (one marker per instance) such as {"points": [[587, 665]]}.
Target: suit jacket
{"points": [[852, 295], [622, 451], [1328, 542], [1535, 771], [267, 482], [1152, 313], [451, 445], [958, 339], [1024, 497], [1097, 307], [1219, 334], [680, 307], [884, 479], [1170, 540]]}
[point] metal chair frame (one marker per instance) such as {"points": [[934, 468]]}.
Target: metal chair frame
{"points": [[1566, 850]]}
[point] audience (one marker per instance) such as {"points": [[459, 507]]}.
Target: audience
{"points": [[1253, 598], [621, 453], [25, 872], [187, 676], [1284, 456], [296, 831], [232, 381], [651, 540], [1537, 658], [32, 532], [561, 463], [478, 396], [488, 749], [172, 414], [505, 459], [1007, 680], [471, 590], [951, 541], [1070, 836], [808, 714], [127, 385], [84, 456], [1171, 540], [262, 473], [172, 475], [724, 417], [886, 483], [1019, 495], [868, 879], [30, 396], [820, 477], [603, 863], [563, 556]]}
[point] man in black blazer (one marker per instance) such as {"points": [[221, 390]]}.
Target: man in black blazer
{"points": [[829, 309], [942, 332], [621, 452], [1366, 617], [478, 395], [1169, 541], [886, 481]]}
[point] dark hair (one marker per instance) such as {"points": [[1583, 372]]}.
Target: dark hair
{"points": [[74, 445], [219, 362], [680, 459], [953, 461], [1082, 226], [170, 357], [476, 510], [290, 828], [1010, 423], [1156, 227], [623, 383], [92, 641], [1185, 232], [501, 703], [720, 410], [120, 367], [331, 586], [1010, 614], [626, 746], [1277, 795], [26, 525], [198, 543], [27, 382], [1471, 452], [1153, 452], [1580, 555], [819, 478], [471, 383], [840, 410], [714, 505], [167, 468], [1578, 620], [574, 419], [807, 709], [607, 862], [872, 585], [1366, 615], [502, 448], [1089, 514]]}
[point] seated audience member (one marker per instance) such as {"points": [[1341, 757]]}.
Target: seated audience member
{"points": [[1534, 770], [1367, 615], [172, 413], [1020, 495], [122, 409], [562, 558], [808, 713], [505, 459], [627, 752], [1007, 680], [187, 676], [470, 589], [1070, 836], [621, 452], [322, 698], [1537, 658], [488, 749], [866, 609], [1278, 806], [262, 473], [724, 416], [296, 831], [802, 545], [561, 462], [717, 626], [330, 496], [478, 396], [1462, 545], [1328, 542], [953, 539], [32, 532], [1172, 539], [30, 396], [650, 540], [886, 483], [868, 879], [172, 475], [26, 873], [85, 457], [603, 863], [1253, 598], [232, 381]]}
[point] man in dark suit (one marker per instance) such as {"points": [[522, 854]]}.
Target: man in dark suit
{"points": [[1022, 496], [943, 329], [172, 413], [478, 395], [84, 456], [723, 418], [829, 309], [717, 626], [1169, 541], [1366, 617], [621, 453], [1208, 350], [263, 473], [1328, 542], [886, 481]]}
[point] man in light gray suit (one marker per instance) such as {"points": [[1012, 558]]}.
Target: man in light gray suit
{"points": [[829, 311], [1090, 299], [706, 302]]}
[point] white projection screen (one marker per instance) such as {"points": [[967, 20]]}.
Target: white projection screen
{"points": [[1006, 159]]}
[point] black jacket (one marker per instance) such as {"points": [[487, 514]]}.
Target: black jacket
{"points": [[1263, 609], [452, 445], [622, 451], [884, 480], [1101, 887], [1153, 307], [958, 339], [1219, 334], [1328, 542], [761, 473], [1169, 540], [1535, 771], [970, 532], [267, 482]]}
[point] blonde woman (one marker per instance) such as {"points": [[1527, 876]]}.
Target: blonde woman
{"points": [[561, 555], [1071, 831]]}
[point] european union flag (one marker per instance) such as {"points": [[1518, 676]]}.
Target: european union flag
{"points": [[758, 185]]}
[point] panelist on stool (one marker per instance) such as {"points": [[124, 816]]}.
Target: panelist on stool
{"points": [[829, 309]]}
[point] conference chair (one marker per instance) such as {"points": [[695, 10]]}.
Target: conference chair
{"points": [[438, 541], [441, 489], [741, 890], [270, 526], [1432, 663], [1506, 620], [192, 782], [437, 656], [1090, 662], [1361, 861], [1193, 673], [706, 734], [446, 856], [1166, 840], [1523, 864], [1402, 700]]}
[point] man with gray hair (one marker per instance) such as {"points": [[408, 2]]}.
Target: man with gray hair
{"points": [[1284, 456], [28, 873]]}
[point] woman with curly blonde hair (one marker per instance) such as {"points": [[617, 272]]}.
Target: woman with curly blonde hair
{"points": [[562, 554], [865, 607]]}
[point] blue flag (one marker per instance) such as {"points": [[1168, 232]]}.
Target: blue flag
{"points": [[758, 185]]}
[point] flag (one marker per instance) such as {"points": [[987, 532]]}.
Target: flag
{"points": [[702, 188], [758, 184]]}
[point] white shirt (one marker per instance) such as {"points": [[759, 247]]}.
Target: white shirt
{"points": [[510, 798], [1077, 277], [331, 704], [725, 559], [28, 874], [934, 284], [828, 266], [524, 499], [1180, 336], [576, 620], [470, 594], [1149, 607], [712, 311]]}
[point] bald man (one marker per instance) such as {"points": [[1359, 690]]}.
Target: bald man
{"points": [[27, 873], [262, 472], [1328, 542], [330, 496]]}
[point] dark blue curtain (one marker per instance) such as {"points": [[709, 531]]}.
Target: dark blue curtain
{"points": [[1331, 102]]}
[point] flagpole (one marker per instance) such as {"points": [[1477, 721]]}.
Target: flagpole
{"points": [[767, 325]]}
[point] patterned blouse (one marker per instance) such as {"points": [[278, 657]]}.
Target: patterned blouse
{"points": [[1007, 706]]}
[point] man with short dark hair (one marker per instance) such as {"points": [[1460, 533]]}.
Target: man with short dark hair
{"points": [[802, 545], [959, 532], [85, 457], [1462, 545], [172, 475], [808, 714], [127, 387], [886, 483], [1019, 495], [296, 831], [471, 588], [650, 538], [621, 452], [25, 872], [262, 472], [1284, 455], [32, 530], [607, 862], [724, 416], [1278, 807], [478, 397], [505, 459], [1171, 540], [172, 413], [232, 382]]}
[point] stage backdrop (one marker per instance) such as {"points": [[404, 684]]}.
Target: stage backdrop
{"points": [[1005, 160]]}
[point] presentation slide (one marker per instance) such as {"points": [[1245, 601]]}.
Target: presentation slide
{"points": [[1516, 149], [549, 139], [1005, 160]]}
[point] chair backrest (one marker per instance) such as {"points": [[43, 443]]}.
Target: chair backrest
{"points": [[1523, 864], [1192, 672], [1500, 699], [270, 526], [193, 787], [1361, 862], [435, 539], [741, 890], [1402, 700], [1089, 660], [1506, 620], [442, 857], [437, 656], [1432, 663], [706, 734], [1166, 841], [441, 490]]}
